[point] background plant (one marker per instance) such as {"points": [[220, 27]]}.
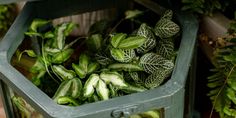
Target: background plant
{"points": [[7, 15], [205, 7], [222, 83]]}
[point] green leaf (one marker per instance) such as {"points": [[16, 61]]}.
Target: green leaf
{"points": [[156, 78], [38, 23], [93, 67], [38, 66], [150, 42], [150, 114], [32, 34], [65, 100], [165, 48], [84, 61], [36, 80], [102, 90], [102, 58], [29, 53], [117, 38], [129, 14], [135, 77], [94, 42], [132, 42], [24, 108], [122, 55], [72, 88], [114, 78], [90, 84], [63, 72], [49, 35], [76, 88], [132, 89], [231, 58], [167, 15], [151, 62], [125, 67], [62, 56], [63, 90], [61, 32], [79, 71], [166, 28]]}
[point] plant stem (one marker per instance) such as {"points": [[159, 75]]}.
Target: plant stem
{"points": [[45, 63]]}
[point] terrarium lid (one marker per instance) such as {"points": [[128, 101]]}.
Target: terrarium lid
{"points": [[12, 1]]}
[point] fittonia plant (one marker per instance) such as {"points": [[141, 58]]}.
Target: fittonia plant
{"points": [[110, 66]]}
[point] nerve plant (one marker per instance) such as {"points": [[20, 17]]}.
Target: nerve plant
{"points": [[111, 65]]}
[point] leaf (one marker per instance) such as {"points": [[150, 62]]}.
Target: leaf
{"points": [[125, 67], [123, 55], [32, 34], [30, 53], [93, 67], [79, 70], [102, 58], [102, 90], [114, 78], [49, 35], [90, 84], [72, 88], [129, 14], [165, 48], [99, 27], [22, 106], [37, 23], [61, 32], [117, 38], [150, 42], [65, 100], [62, 56], [156, 78], [132, 89], [63, 90], [132, 42], [135, 77], [166, 28], [38, 66], [84, 60], [63, 72], [151, 62], [94, 42], [76, 88], [167, 15]]}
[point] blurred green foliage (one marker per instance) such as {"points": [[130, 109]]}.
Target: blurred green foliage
{"points": [[7, 16], [205, 7]]}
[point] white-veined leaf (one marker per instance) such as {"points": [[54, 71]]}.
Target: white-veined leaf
{"points": [[166, 28], [157, 77], [122, 55], [151, 62], [145, 31], [165, 48]]}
